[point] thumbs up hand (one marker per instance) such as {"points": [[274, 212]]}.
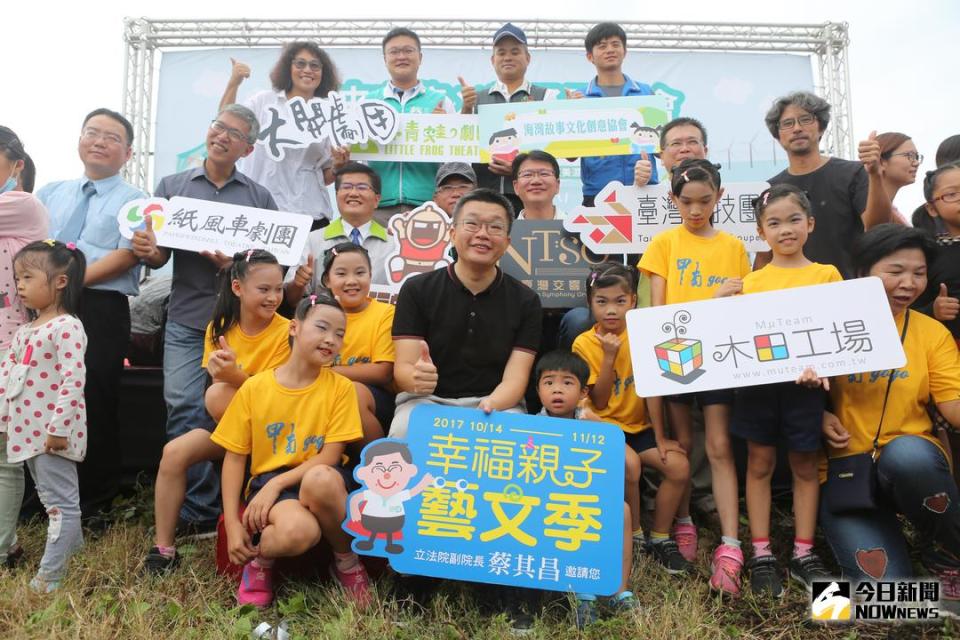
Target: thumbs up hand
{"points": [[238, 72], [304, 274], [222, 362], [144, 242], [424, 372], [469, 95], [643, 170], [944, 307], [869, 150]]}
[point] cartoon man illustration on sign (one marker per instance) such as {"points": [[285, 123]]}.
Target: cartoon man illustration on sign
{"points": [[387, 468], [505, 145], [423, 238], [680, 359]]}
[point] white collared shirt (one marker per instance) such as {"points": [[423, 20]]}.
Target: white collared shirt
{"points": [[557, 214], [501, 88], [391, 91]]}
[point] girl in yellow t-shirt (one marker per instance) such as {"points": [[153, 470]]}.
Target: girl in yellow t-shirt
{"points": [[367, 356], [687, 263], [246, 336], [765, 415], [293, 423], [611, 292]]}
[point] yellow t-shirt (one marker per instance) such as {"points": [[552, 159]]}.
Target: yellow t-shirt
{"points": [[268, 349], [771, 278], [280, 427], [625, 407], [932, 369], [694, 266], [368, 336]]}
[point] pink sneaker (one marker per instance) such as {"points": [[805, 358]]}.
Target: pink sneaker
{"points": [[256, 585], [356, 584], [685, 535], [725, 568]]}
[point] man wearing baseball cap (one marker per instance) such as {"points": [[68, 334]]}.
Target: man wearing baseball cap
{"points": [[453, 180], [510, 60]]}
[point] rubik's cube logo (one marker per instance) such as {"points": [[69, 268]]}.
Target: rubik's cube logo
{"points": [[771, 346], [680, 359]]}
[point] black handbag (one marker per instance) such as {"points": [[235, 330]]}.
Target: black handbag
{"points": [[852, 480]]}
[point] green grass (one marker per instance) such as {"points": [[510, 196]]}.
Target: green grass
{"points": [[104, 596]]}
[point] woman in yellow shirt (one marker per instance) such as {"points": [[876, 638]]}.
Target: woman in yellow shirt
{"points": [[691, 262], [912, 470], [367, 356], [246, 336], [292, 424]]}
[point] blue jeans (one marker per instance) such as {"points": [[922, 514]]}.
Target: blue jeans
{"points": [[184, 383], [574, 322], [915, 480]]}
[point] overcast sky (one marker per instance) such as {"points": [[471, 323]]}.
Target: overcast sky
{"points": [[61, 62]]}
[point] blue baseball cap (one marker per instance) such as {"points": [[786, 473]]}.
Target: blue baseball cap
{"points": [[510, 30]]}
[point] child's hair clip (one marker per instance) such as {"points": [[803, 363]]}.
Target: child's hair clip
{"points": [[313, 299], [51, 242], [333, 250], [685, 177], [249, 253], [72, 246], [593, 278], [766, 196]]}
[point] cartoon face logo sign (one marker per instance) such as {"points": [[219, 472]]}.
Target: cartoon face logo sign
{"points": [[423, 239], [643, 138], [505, 145], [680, 359], [377, 512]]}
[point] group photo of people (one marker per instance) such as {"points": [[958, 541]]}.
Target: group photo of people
{"points": [[278, 379]]}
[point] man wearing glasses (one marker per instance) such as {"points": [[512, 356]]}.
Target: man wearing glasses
{"points": [[466, 336], [84, 211], [847, 196], [230, 136], [358, 193], [536, 180], [407, 184], [453, 180]]}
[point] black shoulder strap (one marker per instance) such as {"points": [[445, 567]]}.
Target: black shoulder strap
{"points": [[886, 395]]}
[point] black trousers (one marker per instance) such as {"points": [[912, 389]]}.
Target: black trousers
{"points": [[106, 319]]}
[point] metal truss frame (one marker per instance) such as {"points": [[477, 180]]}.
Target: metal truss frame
{"points": [[827, 42]]}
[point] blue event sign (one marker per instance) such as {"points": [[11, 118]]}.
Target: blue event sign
{"points": [[505, 498]]}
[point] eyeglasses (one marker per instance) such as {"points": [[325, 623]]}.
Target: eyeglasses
{"points": [[454, 188], [790, 123], [401, 51], [689, 142], [494, 229], [530, 174], [91, 134], [362, 187], [953, 196], [235, 134], [301, 64], [912, 156]]}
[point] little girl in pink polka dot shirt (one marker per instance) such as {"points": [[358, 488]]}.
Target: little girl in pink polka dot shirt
{"points": [[42, 412]]}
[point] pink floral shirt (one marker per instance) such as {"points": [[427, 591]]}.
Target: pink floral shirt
{"points": [[41, 389]]}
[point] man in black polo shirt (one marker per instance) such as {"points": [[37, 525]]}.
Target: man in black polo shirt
{"points": [[467, 335]]}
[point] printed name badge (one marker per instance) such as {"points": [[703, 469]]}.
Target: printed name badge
{"points": [[201, 225], [762, 338], [505, 498]]}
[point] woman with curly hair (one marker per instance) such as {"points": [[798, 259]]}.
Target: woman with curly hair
{"points": [[299, 181]]}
